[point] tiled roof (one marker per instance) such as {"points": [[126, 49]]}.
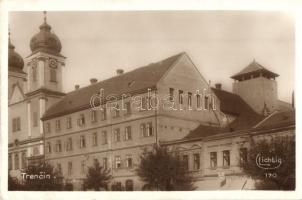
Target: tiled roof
{"points": [[137, 80], [232, 104], [278, 119], [253, 67]]}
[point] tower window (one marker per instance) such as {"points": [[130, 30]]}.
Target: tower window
{"points": [[34, 73], [35, 119], [53, 75]]}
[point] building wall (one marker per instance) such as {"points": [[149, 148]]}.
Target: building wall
{"points": [[256, 92]]}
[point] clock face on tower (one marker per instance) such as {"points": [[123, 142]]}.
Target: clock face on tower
{"points": [[53, 63]]}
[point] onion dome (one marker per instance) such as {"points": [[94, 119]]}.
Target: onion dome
{"points": [[15, 61], [45, 40]]}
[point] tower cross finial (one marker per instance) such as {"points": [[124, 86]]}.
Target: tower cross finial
{"points": [[45, 16], [9, 33]]}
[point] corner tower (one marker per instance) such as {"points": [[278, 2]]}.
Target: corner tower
{"points": [[257, 86]]}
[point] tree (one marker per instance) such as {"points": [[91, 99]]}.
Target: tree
{"points": [[97, 177], [163, 171], [42, 177], [14, 184], [280, 178]]}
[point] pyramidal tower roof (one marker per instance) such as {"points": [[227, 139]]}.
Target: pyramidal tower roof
{"points": [[254, 68]]}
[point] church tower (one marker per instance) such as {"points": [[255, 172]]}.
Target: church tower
{"points": [[16, 75], [44, 78], [257, 86]]}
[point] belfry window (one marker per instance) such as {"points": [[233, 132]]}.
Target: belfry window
{"points": [[53, 75]]}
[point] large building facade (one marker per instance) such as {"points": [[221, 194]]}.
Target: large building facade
{"points": [[168, 102]]}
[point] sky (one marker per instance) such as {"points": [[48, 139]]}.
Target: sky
{"points": [[220, 43]]}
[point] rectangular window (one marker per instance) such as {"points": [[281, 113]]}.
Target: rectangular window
{"points": [[185, 159], [180, 97], [118, 162], [105, 163], [16, 124], [128, 108], [69, 144], [58, 125], [34, 71], [48, 147], [190, 99], [23, 159], [104, 114], [58, 146], [196, 157], [117, 135], [17, 161], [243, 157], [83, 167], [206, 102], [129, 161], [213, 103], [82, 142], [198, 104], [104, 137], [69, 168], [69, 122], [93, 116], [213, 159], [47, 127], [95, 139], [171, 94], [144, 104], [143, 130], [53, 75], [116, 110], [149, 130], [10, 162], [226, 158], [81, 120], [128, 135], [35, 119]]}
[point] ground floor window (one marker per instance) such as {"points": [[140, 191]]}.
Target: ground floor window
{"points": [[129, 185]]}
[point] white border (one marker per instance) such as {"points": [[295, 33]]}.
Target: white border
{"points": [[290, 6]]}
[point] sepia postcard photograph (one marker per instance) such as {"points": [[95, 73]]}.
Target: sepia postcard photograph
{"points": [[149, 100]]}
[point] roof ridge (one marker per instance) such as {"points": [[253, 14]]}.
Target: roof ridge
{"points": [[138, 68]]}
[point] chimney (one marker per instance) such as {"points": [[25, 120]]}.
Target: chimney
{"points": [[93, 81], [218, 86], [119, 72], [76, 87]]}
